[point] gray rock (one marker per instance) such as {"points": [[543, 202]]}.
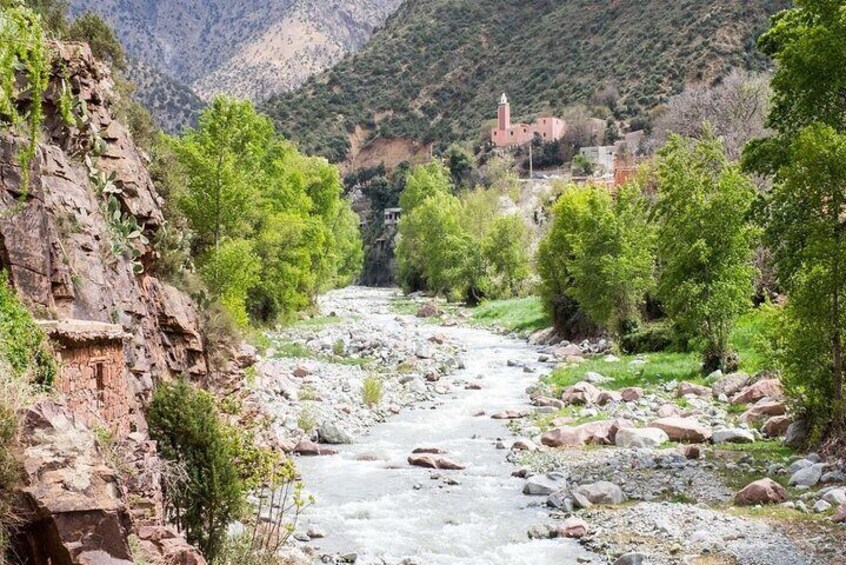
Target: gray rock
{"points": [[835, 497], [730, 384], [561, 501], [640, 437], [595, 378], [822, 506], [601, 492], [798, 465], [732, 435], [540, 532], [543, 484], [808, 477], [331, 433], [833, 477], [796, 434], [632, 559]]}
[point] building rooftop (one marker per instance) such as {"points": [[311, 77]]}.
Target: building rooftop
{"points": [[82, 331]]}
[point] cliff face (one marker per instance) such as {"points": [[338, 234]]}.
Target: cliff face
{"points": [[67, 250]]}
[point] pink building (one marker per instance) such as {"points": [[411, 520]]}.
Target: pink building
{"points": [[507, 134]]}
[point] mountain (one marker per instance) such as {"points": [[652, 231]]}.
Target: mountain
{"points": [[250, 48], [434, 73], [174, 106]]}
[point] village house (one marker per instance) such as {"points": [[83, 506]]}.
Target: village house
{"points": [[92, 372], [392, 216], [506, 134]]}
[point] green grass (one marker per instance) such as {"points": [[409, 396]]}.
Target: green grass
{"points": [[317, 322], [747, 340], [517, 314]]}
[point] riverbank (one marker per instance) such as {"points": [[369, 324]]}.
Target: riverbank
{"points": [[443, 380]]}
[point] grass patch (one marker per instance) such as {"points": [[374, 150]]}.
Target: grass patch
{"points": [[317, 322], [747, 340], [768, 450], [291, 350], [402, 305], [516, 315]]}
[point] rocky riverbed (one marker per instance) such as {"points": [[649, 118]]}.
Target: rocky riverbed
{"points": [[467, 457]]}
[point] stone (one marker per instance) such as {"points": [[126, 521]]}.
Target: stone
{"points": [[683, 429], [763, 408], [821, 506], [428, 310], [434, 462], [835, 497], [571, 350], [640, 437], [763, 491], [540, 532], [798, 465], [544, 484], [608, 397], [331, 433], [524, 444], [840, 514], [301, 371], [732, 435], [510, 415], [835, 476], [595, 378], [310, 449], [428, 450], [729, 384], [667, 410], [581, 393], [685, 389], [602, 492], [544, 401], [631, 394], [690, 451], [765, 388], [634, 558], [572, 528], [591, 433], [776, 426], [808, 477], [796, 434]]}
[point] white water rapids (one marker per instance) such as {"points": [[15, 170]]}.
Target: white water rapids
{"points": [[386, 511]]}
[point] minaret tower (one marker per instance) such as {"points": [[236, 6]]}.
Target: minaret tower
{"points": [[504, 113]]}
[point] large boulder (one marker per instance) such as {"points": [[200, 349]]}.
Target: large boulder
{"points": [[764, 491], [763, 408], [765, 388], [683, 429], [581, 393], [840, 514], [730, 384], [640, 437], [331, 433], [544, 484], [310, 449], [434, 462], [591, 433], [807, 477], [601, 492], [631, 394], [570, 350], [572, 528], [776, 426], [732, 435]]}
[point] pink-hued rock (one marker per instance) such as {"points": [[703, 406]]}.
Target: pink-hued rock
{"points": [[776, 426], [301, 371], [607, 397], [631, 394], [572, 528], [581, 393], [310, 449], [434, 462], [545, 401], [683, 429], [690, 451], [571, 350], [765, 388], [524, 444], [437, 339], [510, 415], [840, 514], [473, 386], [668, 410], [761, 409], [690, 388], [592, 433], [764, 491]]}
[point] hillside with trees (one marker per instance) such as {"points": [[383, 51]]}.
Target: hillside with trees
{"points": [[433, 74]]}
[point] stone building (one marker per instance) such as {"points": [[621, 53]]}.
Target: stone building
{"points": [[506, 134], [92, 372], [392, 216]]}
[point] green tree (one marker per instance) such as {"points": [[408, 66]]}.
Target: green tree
{"points": [[423, 181], [505, 249], [92, 29], [230, 271], [185, 423], [705, 242]]}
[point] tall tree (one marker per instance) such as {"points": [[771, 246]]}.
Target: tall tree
{"points": [[705, 242]]}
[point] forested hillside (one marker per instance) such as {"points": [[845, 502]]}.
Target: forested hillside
{"points": [[435, 71]]}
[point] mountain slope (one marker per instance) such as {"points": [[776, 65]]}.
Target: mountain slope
{"points": [[174, 106], [435, 72], [251, 48]]}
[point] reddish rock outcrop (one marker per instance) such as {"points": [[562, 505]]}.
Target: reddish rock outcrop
{"points": [[581, 393], [434, 462], [764, 491], [592, 433], [765, 388], [683, 429]]}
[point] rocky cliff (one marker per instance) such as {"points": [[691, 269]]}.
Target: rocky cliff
{"points": [[66, 244], [250, 49]]}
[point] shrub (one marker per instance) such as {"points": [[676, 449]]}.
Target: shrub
{"points": [[185, 423], [22, 343], [307, 419], [648, 338], [371, 391]]}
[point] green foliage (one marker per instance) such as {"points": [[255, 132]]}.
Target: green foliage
{"points": [[705, 242], [371, 391], [505, 250], [597, 259], [546, 55], [23, 55], [92, 29], [515, 314], [184, 422], [22, 343], [270, 228], [582, 165]]}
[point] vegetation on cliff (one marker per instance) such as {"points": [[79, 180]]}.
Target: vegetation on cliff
{"points": [[436, 69]]}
